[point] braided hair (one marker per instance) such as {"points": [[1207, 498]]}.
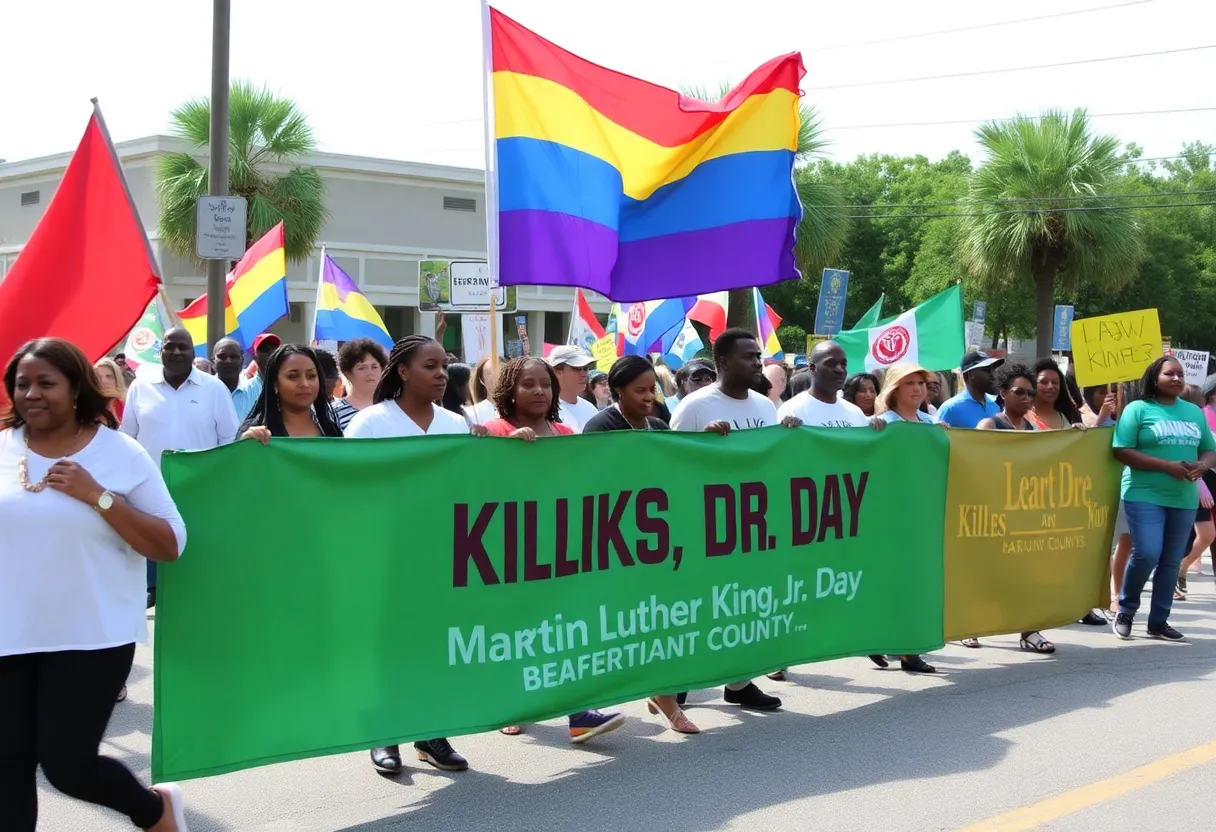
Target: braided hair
{"points": [[391, 386], [508, 379], [266, 412]]}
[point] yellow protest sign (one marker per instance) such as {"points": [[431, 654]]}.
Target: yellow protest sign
{"points": [[812, 340], [604, 353], [1114, 348], [1029, 518]]}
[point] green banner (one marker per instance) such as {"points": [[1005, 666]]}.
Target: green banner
{"points": [[340, 595]]}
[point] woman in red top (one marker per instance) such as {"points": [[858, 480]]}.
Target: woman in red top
{"points": [[526, 398], [526, 402]]}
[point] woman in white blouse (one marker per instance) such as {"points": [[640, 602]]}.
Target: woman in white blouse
{"points": [[82, 506]]}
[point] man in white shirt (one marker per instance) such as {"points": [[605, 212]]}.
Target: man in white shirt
{"points": [[732, 404], [570, 364], [177, 408], [821, 406]]}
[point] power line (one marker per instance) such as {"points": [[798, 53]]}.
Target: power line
{"points": [[1013, 69], [1021, 200], [1010, 118], [1070, 210], [977, 26]]}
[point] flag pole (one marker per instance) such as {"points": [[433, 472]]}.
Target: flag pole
{"points": [[317, 304], [487, 89]]}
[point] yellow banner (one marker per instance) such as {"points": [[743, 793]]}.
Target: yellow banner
{"points": [[1112, 348], [1029, 518], [604, 353]]}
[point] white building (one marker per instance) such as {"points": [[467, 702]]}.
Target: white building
{"points": [[385, 217]]}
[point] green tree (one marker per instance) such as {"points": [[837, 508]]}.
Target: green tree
{"points": [[1035, 209], [824, 226], [266, 133]]}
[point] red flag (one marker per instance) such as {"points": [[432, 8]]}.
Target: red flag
{"points": [[87, 273]]}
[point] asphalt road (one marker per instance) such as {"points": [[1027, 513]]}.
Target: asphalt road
{"points": [[997, 731]]}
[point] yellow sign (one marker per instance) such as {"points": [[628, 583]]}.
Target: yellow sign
{"points": [[1113, 348], [604, 353], [1029, 518]]}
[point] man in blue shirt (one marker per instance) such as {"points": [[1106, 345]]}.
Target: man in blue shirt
{"points": [[975, 401]]}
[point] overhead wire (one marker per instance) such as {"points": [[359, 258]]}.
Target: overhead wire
{"points": [[1020, 200], [1064, 210]]}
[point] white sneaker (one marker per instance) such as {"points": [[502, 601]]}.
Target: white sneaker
{"points": [[175, 804]]}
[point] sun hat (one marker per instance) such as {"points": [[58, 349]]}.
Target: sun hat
{"points": [[895, 375], [569, 356]]}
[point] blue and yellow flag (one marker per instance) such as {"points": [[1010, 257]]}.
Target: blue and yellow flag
{"points": [[343, 313]]}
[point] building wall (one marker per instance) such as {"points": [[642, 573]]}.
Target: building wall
{"points": [[385, 217]]}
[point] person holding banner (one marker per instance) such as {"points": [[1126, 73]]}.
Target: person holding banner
{"points": [[415, 377], [294, 400], [526, 394], [1017, 385], [975, 401], [1053, 407], [1167, 446]]}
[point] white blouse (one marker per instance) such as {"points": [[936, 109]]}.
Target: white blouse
{"points": [[67, 580]]}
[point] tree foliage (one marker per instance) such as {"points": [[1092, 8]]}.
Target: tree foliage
{"points": [[268, 135]]}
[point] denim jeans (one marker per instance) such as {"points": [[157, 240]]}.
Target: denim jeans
{"points": [[1158, 540], [151, 575]]}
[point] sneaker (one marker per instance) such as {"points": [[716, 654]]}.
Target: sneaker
{"points": [[175, 807], [879, 660], [1094, 619], [588, 724], [752, 698], [1123, 626], [1165, 632], [441, 755]]}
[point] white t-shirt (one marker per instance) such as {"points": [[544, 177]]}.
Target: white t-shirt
{"points": [[709, 404], [67, 580], [197, 416], [817, 414], [574, 416], [482, 412], [386, 420]]}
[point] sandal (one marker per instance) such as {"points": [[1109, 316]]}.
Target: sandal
{"points": [[915, 664], [676, 720], [1035, 643], [970, 642], [511, 730]]}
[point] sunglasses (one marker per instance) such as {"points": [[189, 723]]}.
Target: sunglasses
{"points": [[1020, 391], [702, 376]]}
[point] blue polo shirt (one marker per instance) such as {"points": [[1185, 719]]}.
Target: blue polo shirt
{"points": [[963, 411]]}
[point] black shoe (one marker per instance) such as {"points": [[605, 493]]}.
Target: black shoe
{"points": [[1123, 626], [879, 660], [1093, 619], [151, 598], [387, 759], [915, 664], [441, 755], [1165, 632], [681, 698], [752, 698]]}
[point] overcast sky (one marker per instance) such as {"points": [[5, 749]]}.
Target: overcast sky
{"points": [[403, 80]]}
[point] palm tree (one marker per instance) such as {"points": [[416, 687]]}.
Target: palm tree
{"points": [[1035, 208], [265, 133], [821, 234]]}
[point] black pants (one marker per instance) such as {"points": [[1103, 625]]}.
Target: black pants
{"points": [[54, 708]]}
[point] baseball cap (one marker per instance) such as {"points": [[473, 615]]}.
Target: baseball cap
{"points": [[979, 361], [266, 337], [570, 356]]}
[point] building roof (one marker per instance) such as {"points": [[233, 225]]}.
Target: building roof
{"points": [[152, 146]]}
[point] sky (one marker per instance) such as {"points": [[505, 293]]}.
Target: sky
{"points": [[403, 80]]}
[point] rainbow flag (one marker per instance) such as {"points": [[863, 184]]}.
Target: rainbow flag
{"points": [[767, 322], [633, 190], [256, 295], [343, 313]]}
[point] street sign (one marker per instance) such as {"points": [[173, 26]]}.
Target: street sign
{"points": [[219, 227], [460, 286], [978, 310], [974, 334], [1061, 332], [829, 315]]}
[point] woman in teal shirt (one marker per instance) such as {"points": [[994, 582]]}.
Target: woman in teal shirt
{"points": [[1166, 444]]}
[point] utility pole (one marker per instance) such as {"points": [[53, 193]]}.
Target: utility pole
{"points": [[217, 270]]}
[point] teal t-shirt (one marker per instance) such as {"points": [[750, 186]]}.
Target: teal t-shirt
{"points": [[1176, 432]]}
